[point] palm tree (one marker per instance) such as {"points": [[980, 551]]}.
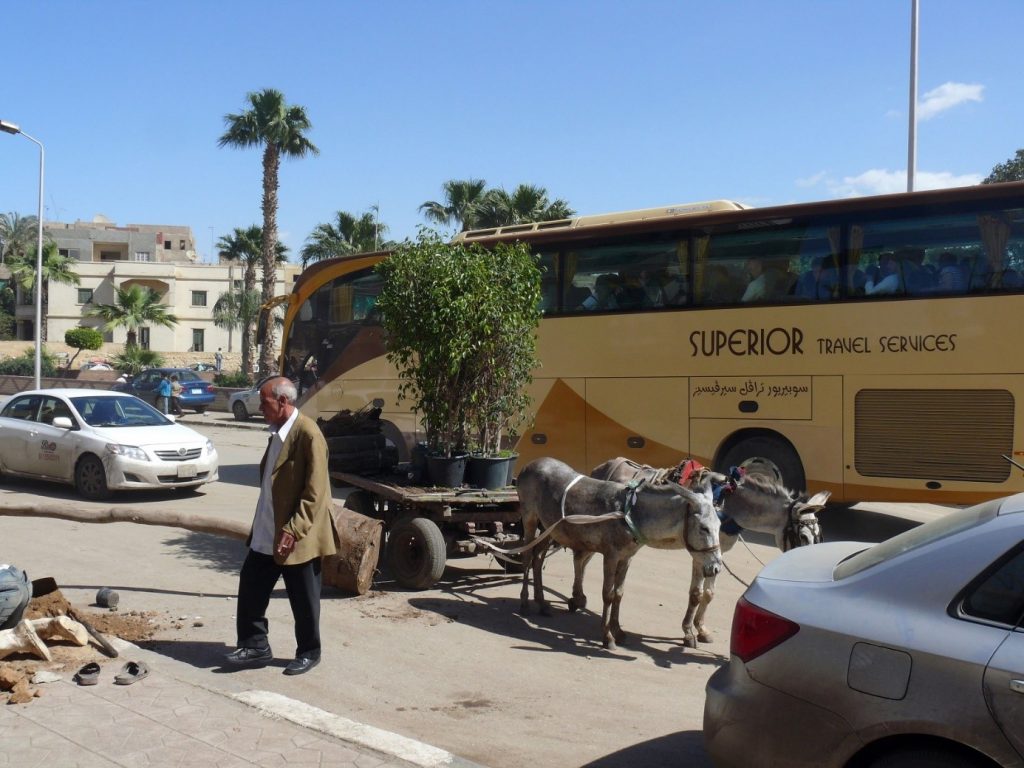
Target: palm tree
{"points": [[347, 234], [17, 235], [239, 309], [57, 268], [461, 199], [526, 203], [245, 247], [133, 307], [280, 129]]}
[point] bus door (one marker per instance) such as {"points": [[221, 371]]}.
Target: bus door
{"points": [[641, 419]]}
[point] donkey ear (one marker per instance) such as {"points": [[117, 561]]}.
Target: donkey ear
{"points": [[819, 499]]}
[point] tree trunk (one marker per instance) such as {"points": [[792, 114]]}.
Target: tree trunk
{"points": [[271, 164], [196, 523], [248, 334]]}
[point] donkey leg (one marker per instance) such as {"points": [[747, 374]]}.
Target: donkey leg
{"points": [[529, 534], [578, 601], [696, 582], [538, 581], [707, 595], [610, 607], [620, 589]]}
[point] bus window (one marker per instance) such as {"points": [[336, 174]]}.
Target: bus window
{"points": [[548, 282], [766, 264], [627, 277], [328, 322], [941, 253]]}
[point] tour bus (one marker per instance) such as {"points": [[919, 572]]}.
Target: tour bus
{"points": [[867, 347]]}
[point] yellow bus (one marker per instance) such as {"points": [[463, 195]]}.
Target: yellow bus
{"points": [[864, 346]]}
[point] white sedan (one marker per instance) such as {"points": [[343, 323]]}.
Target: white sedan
{"points": [[100, 441]]}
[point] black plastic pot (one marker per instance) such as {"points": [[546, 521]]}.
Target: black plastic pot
{"points": [[447, 472], [489, 471]]}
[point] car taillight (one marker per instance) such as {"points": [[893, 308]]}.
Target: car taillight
{"points": [[755, 630]]}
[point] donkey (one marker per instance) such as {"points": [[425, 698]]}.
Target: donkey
{"points": [[589, 516], [756, 503]]}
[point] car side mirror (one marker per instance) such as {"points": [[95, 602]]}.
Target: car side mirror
{"points": [[63, 422]]}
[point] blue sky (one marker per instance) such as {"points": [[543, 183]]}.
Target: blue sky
{"points": [[609, 105]]}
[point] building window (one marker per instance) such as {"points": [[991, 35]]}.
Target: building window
{"points": [[85, 295], [167, 245], [197, 339], [181, 245], [143, 256], [144, 338], [110, 256], [198, 298], [238, 284], [70, 253]]}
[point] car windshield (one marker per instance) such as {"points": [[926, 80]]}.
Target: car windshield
{"points": [[947, 525], [118, 412]]}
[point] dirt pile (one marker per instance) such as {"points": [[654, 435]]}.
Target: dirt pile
{"points": [[16, 670]]}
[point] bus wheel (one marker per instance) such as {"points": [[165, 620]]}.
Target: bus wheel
{"points": [[416, 552], [767, 456]]}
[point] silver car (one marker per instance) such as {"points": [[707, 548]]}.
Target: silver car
{"points": [[246, 404], [904, 653], [100, 441]]}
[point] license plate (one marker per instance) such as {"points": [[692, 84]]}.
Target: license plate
{"points": [[186, 470], [197, 391]]}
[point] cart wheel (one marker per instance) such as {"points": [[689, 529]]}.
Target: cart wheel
{"points": [[416, 552], [360, 502]]}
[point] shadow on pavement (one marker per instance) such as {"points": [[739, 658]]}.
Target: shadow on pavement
{"points": [[202, 655], [239, 474], [223, 554], [682, 748], [576, 633]]}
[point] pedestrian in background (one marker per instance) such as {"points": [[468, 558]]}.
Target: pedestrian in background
{"points": [[176, 396], [292, 529], [218, 360], [163, 400]]}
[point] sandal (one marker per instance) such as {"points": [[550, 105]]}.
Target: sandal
{"points": [[89, 674], [131, 672]]}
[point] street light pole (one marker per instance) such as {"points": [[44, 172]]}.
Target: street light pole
{"points": [[912, 138], [14, 129]]}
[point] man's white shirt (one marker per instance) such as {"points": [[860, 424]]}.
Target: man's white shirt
{"points": [[263, 520]]}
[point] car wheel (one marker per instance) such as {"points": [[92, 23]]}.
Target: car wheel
{"points": [[200, 409], [925, 757], [91, 478], [768, 456], [238, 408]]}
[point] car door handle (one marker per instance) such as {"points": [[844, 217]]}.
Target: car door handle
{"points": [[1017, 686]]}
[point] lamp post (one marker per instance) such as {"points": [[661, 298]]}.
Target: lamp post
{"points": [[14, 129]]}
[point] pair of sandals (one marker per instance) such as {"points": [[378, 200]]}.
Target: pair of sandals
{"points": [[131, 672]]}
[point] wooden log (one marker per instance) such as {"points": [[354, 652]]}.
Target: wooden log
{"points": [[351, 569]]}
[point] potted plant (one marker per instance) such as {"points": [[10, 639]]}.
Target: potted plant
{"points": [[503, 361], [460, 323]]}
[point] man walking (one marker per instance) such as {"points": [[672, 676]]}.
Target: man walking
{"points": [[218, 360], [292, 530]]}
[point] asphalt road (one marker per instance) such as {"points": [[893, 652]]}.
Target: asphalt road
{"points": [[456, 665]]}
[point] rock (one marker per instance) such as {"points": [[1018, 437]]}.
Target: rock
{"points": [[45, 676]]}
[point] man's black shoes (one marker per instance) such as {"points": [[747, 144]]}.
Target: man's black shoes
{"points": [[301, 665], [248, 657]]}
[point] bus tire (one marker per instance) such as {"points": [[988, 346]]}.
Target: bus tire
{"points": [[768, 456], [416, 552]]}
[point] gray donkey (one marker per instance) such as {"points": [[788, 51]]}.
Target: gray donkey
{"points": [[755, 503], [589, 516]]}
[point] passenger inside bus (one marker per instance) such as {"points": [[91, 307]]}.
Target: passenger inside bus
{"points": [[757, 287], [951, 274], [917, 276], [604, 296], [817, 283], [888, 281]]}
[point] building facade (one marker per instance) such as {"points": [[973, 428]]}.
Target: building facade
{"points": [[160, 257]]}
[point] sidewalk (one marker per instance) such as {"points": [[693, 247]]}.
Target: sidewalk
{"points": [[173, 718]]}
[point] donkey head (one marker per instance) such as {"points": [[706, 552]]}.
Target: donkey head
{"points": [[803, 528], [702, 534]]}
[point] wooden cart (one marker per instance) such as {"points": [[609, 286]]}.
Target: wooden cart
{"points": [[425, 526]]}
